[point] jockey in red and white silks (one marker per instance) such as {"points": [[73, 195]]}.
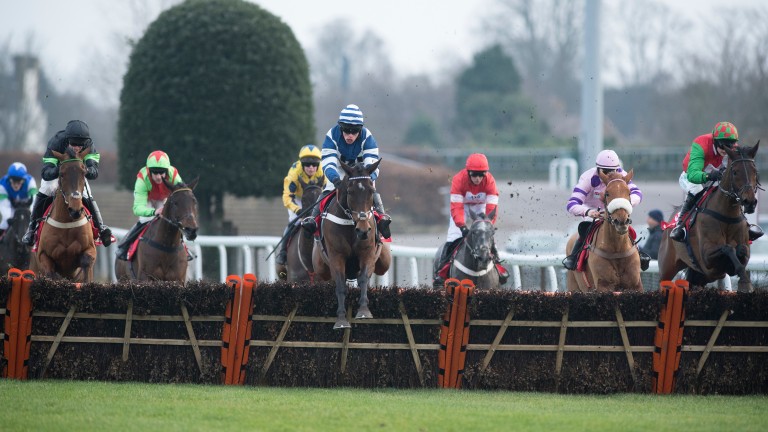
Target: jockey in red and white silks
{"points": [[479, 196]]}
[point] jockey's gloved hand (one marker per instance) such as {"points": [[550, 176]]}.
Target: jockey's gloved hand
{"points": [[91, 170], [715, 176], [464, 230]]}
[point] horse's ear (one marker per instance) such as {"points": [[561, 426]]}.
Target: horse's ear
{"points": [[753, 150], [372, 167], [303, 183], [628, 176], [347, 169], [82, 153], [472, 214], [492, 214], [603, 177], [59, 156], [193, 184]]}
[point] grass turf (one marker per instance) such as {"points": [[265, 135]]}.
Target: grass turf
{"points": [[76, 405]]}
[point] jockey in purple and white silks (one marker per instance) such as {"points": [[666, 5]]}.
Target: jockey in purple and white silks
{"points": [[587, 198], [349, 142]]}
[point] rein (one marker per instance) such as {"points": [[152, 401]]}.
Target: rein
{"points": [[736, 195], [361, 216], [175, 224]]}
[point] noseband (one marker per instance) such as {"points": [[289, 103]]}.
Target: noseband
{"points": [[76, 194], [615, 204], [360, 216]]}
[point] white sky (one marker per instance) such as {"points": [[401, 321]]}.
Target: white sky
{"points": [[422, 36]]}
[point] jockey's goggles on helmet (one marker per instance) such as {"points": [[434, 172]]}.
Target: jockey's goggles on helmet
{"points": [[724, 143], [77, 142], [350, 129], [158, 171], [16, 179], [607, 170], [310, 164], [477, 174]]}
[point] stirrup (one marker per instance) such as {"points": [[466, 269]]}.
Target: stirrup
{"points": [[570, 262], [309, 224], [29, 238], [678, 234]]}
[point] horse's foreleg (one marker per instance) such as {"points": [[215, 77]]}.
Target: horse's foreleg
{"points": [[732, 264], [46, 266], [87, 262], [341, 297], [362, 282]]}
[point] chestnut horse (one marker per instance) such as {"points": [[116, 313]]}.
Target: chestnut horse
{"points": [[349, 246], [613, 263], [718, 242], [160, 254], [66, 247], [299, 258]]}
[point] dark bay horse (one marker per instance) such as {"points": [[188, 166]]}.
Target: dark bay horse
{"points": [[66, 247], [299, 258], [613, 263], [161, 255], [473, 259], [14, 253], [349, 246], [719, 238]]}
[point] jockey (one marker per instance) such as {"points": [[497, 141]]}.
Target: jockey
{"points": [[306, 170], [704, 163], [15, 187], [472, 188], [76, 136], [349, 142], [587, 197], [149, 195]]}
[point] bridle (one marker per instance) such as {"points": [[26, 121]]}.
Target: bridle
{"points": [[615, 204], [474, 251], [74, 195], [736, 195], [360, 216], [177, 223]]}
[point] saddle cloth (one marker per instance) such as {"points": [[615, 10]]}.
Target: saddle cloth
{"points": [[48, 210], [135, 244], [324, 203], [590, 237]]}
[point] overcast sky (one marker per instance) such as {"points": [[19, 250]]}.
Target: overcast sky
{"points": [[421, 36]]}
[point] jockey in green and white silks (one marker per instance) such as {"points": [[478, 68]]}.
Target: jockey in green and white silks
{"points": [[76, 136], [15, 187]]}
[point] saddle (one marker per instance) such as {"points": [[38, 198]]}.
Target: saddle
{"points": [[139, 238], [44, 221], [589, 237], [324, 204], [689, 218]]}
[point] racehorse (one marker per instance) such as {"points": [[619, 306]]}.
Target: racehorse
{"points": [[160, 254], [299, 258], [473, 259], [613, 263], [718, 242], [349, 246], [14, 253], [66, 247]]}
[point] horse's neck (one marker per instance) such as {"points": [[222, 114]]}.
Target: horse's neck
{"points": [[608, 239], [164, 232], [721, 203], [60, 212]]}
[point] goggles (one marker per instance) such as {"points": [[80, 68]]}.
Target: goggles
{"points": [[480, 174], [310, 164], [158, 171], [351, 129]]}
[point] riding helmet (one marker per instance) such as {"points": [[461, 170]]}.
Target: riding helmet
{"points": [[608, 159], [351, 115], [310, 153], [158, 159], [477, 162], [17, 169], [77, 130]]}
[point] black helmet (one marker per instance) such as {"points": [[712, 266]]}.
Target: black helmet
{"points": [[77, 131]]}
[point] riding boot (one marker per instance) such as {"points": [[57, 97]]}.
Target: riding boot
{"points": [[444, 257], [571, 260], [385, 220], [125, 243], [38, 208], [308, 223], [755, 232], [678, 232], [503, 273], [645, 260], [105, 234]]}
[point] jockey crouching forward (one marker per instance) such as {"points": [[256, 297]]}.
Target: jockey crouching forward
{"points": [[704, 163], [587, 197], [349, 141], [472, 188], [149, 195], [16, 187], [76, 136]]}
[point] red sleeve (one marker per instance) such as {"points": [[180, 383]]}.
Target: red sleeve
{"points": [[491, 196], [458, 189]]}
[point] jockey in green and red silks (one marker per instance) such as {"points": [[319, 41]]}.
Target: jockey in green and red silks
{"points": [[76, 136], [705, 163]]}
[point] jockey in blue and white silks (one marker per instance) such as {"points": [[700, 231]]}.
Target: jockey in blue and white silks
{"points": [[349, 142]]}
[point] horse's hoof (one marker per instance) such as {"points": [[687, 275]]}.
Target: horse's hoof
{"points": [[364, 314], [341, 324]]}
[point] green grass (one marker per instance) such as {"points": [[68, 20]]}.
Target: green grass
{"points": [[69, 406]]}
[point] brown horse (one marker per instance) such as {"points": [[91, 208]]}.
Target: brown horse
{"points": [[161, 255], [719, 238], [349, 246], [613, 262], [66, 247], [299, 258]]}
